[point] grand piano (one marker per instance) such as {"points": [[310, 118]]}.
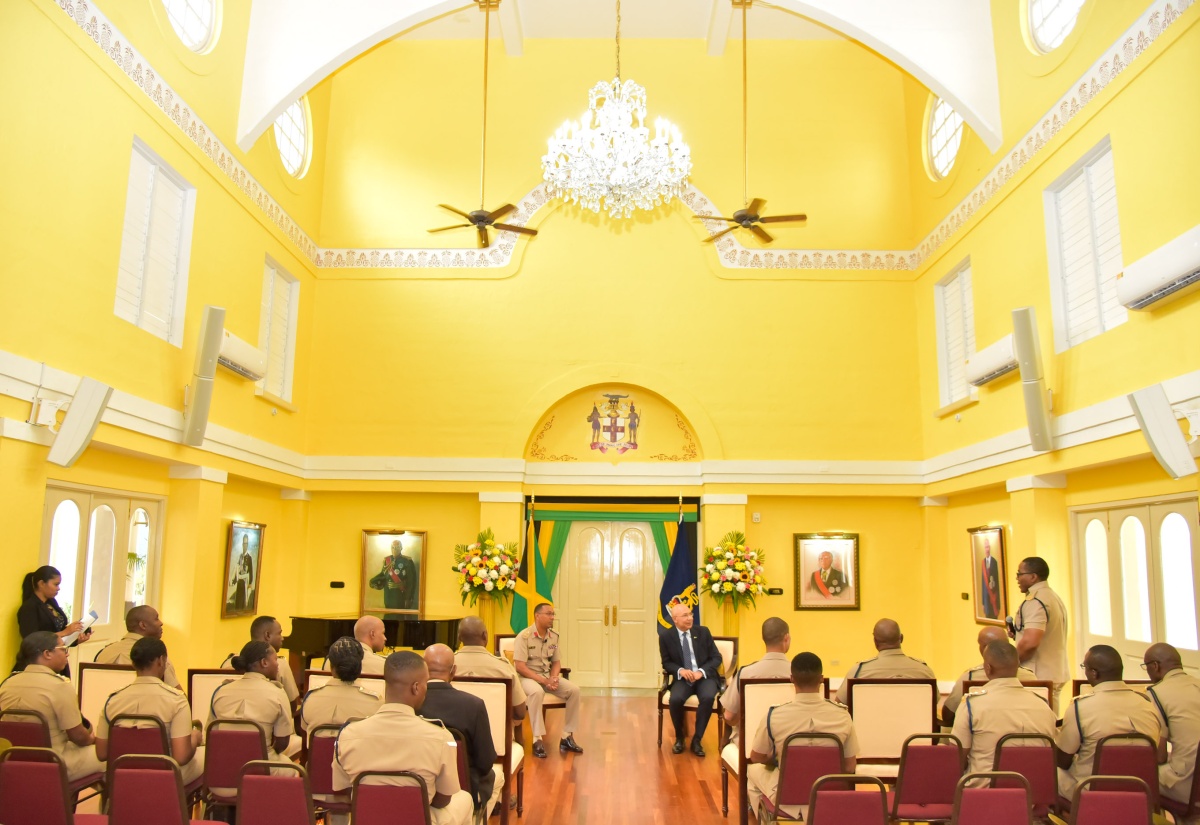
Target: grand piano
{"points": [[311, 636]]}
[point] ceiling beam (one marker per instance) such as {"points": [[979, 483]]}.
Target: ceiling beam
{"points": [[719, 19]]}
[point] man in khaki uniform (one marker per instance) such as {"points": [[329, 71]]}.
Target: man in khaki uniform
{"points": [[473, 659], [535, 656], [340, 700], [976, 674], [395, 738], [809, 712], [40, 688], [149, 695], [267, 629], [141, 622], [777, 638], [1175, 695], [1001, 708], [1040, 627], [1112, 707], [891, 663], [370, 634]]}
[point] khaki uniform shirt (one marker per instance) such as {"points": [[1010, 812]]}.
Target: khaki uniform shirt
{"points": [[991, 712], [149, 696], [976, 674], [372, 663], [536, 652], [889, 664], [1176, 699], [1112, 707], [1043, 610], [474, 660], [117, 653], [336, 702], [770, 666], [284, 678], [395, 738], [41, 689], [256, 699], [807, 713]]}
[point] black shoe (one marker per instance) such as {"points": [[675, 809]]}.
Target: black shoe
{"points": [[697, 748], [568, 744], [678, 748], [539, 750]]}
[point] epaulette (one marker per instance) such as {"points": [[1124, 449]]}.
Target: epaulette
{"points": [[837, 704], [915, 659], [858, 669], [977, 692]]}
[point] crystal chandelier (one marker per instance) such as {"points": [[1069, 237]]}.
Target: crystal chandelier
{"points": [[608, 157]]}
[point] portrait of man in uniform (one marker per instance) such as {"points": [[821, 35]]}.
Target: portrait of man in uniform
{"points": [[392, 571], [826, 571], [987, 568], [243, 555]]}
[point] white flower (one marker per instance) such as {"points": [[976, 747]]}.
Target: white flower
{"points": [[488, 586], [741, 587], [466, 588], [504, 570], [512, 584], [493, 575], [752, 555], [728, 556], [716, 588], [759, 587], [710, 567]]}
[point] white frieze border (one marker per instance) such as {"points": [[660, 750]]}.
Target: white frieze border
{"points": [[732, 255]]}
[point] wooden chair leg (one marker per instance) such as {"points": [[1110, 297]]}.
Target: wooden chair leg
{"points": [[724, 791], [660, 721]]}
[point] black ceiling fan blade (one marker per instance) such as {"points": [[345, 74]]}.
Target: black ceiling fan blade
{"points": [[508, 227], [712, 238], [455, 211], [782, 218], [456, 226], [483, 237], [760, 233], [755, 206], [715, 218], [497, 214]]}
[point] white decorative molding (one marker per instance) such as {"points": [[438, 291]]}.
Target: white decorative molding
{"points": [[190, 472], [812, 472], [288, 494], [934, 501], [724, 498], [631, 474], [1050, 481], [1158, 16], [502, 498]]}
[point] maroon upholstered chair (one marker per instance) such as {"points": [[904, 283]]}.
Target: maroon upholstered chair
{"points": [[34, 790], [928, 777], [406, 804], [803, 759], [229, 744], [146, 789], [832, 803], [1130, 806], [278, 798], [321, 741], [1191, 808], [1010, 803], [29, 729], [1128, 754]]}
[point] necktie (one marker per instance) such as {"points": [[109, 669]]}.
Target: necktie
{"points": [[687, 651]]}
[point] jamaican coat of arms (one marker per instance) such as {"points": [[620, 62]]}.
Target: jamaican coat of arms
{"points": [[614, 424]]}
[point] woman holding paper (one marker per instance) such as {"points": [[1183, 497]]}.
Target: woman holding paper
{"points": [[40, 611]]}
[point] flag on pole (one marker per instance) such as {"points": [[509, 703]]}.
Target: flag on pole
{"points": [[679, 582], [525, 593]]}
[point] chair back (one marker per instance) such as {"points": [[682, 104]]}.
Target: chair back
{"points": [[321, 742], [1081, 687], [803, 759], [33, 788], [229, 745], [274, 793], [24, 728], [147, 790], [380, 800], [1128, 754], [1032, 756], [370, 682], [202, 683], [888, 711], [832, 804], [505, 644], [727, 646], [137, 733], [97, 682], [463, 758], [1129, 806], [496, 693], [929, 772], [758, 696], [995, 804], [1039, 688]]}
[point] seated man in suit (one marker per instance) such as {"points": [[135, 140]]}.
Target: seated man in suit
{"points": [[141, 622], [690, 655]]}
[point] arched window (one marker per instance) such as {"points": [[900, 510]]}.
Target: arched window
{"points": [[944, 135], [1179, 596], [137, 558], [195, 21], [1050, 21], [292, 138], [1099, 602], [64, 550]]}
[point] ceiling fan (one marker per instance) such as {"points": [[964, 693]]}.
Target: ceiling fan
{"points": [[749, 217], [482, 219]]}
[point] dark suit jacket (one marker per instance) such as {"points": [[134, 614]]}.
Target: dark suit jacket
{"points": [[467, 714], [708, 658], [836, 579]]}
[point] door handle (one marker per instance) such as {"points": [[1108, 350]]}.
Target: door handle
{"points": [[614, 616], [606, 615]]}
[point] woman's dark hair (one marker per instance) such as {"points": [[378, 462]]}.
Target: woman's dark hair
{"points": [[43, 574], [145, 651], [33, 646], [345, 658], [252, 653]]}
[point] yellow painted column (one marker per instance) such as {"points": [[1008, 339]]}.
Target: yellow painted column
{"points": [[720, 514], [292, 546], [937, 542], [22, 499], [502, 512], [1041, 527]]}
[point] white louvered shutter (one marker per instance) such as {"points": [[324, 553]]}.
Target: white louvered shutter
{"points": [[276, 333], [957, 334]]}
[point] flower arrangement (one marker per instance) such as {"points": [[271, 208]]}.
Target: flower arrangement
{"points": [[485, 567], [732, 571]]}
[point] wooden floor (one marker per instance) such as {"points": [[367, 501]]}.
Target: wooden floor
{"points": [[623, 776]]}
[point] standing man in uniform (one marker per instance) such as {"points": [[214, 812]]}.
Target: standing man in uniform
{"points": [[777, 638], [891, 663], [809, 712], [149, 695], [987, 635], [369, 632], [536, 658], [267, 629], [1001, 708], [141, 622], [690, 655], [396, 739], [1112, 707], [1175, 695], [1040, 627], [473, 659]]}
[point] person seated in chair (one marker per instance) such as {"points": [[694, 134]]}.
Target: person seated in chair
{"points": [[536, 657], [256, 698], [1176, 697], [371, 635], [474, 659], [37, 686], [149, 695], [340, 700], [809, 712], [976, 674], [690, 656], [777, 638], [141, 622], [891, 663], [267, 629]]}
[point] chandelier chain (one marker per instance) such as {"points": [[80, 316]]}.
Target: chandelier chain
{"points": [[487, 24], [745, 133], [618, 39]]}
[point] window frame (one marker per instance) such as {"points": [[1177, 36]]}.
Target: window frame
{"points": [[1035, 41], [213, 26], [931, 169], [307, 149], [271, 269], [946, 398]]}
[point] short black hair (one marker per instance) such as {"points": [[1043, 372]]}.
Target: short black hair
{"points": [[542, 608], [34, 645], [252, 653], [806, 669], [145, 651], [773, 630], [1037, 566], [402, 665], [345, 658], [258, 627]]}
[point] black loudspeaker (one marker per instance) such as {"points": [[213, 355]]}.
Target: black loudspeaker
{"points": [[1157, 420], [79, 425], [195, 412], [1033, 382]]}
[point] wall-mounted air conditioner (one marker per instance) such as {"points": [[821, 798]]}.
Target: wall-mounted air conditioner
{"points": [[1171, 271], [238, 356], [991, 362]]}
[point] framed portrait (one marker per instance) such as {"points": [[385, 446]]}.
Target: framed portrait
{"points": [[988, 573], [827, 571], [243, 569], [393, 577]]}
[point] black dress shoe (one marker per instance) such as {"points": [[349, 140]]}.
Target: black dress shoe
{"points": [[678, 748], [697, 748], [539, 750], [568, 744]]}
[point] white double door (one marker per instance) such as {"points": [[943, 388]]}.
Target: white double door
{"points": [[607, 594]]}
